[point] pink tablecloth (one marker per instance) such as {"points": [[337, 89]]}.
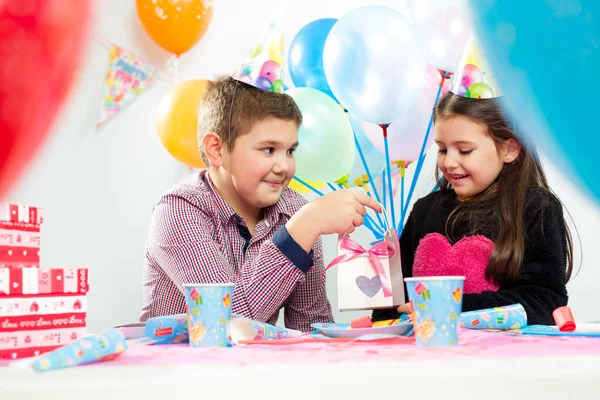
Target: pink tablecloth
{"points": [[474, 344]]}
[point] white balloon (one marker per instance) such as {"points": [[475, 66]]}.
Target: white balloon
{"points": [[443, 28], [406, 135], [373, 63]]}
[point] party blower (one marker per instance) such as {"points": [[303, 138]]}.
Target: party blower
{"points": [[105, 346]]}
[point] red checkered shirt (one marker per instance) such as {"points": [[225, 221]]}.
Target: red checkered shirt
{"points": [[196, 237]]}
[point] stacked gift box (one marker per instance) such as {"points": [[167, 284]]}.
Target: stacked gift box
{"points": [[40, 309]]}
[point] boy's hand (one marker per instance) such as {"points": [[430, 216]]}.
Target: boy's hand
{"points": [[341, 211], [337, 212]]}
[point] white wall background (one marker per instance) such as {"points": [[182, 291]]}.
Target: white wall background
{"points": [[98, 187]]}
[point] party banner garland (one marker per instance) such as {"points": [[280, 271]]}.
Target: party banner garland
{"points": [[126, 77]]}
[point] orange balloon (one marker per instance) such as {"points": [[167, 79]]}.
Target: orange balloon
{"points": [[175, 25], [177, 121]]}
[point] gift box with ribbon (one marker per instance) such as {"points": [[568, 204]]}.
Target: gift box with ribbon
{"points": [[369, 278]]}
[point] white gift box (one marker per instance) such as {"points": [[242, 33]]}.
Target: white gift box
{"points": [[359, 285]]}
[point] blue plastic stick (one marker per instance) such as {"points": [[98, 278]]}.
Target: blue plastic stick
{"points": [[421, 155], [317, 191]]}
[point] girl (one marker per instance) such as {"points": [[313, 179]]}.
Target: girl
{"points": [[494, 219]]}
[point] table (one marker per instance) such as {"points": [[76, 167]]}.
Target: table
{"points": [[486, 365]]}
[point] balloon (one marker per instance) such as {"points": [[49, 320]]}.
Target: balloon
{"points": [[306, 55], [41, 46], [443, 28], [300, 188], [175, 25], [541, 54], [270, 70], [373, 64], [263, 83], [177, 122], [480, 90], [326, 142], [471, 75], [406, 135], [447, 86], [373, 157]]}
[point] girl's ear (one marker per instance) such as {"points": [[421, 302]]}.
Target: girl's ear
{"points": [[510, 151], [213, 148]]}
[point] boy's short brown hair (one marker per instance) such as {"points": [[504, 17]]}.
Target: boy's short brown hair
{"points": [[228, 101]]}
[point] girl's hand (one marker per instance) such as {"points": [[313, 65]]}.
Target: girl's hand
{"points": [[405, 308]]}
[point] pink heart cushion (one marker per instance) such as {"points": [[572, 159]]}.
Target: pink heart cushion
{"points": [[469, 257]]}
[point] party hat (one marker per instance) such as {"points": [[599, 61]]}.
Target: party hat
{"points": [[263, 66], [473, 77]]}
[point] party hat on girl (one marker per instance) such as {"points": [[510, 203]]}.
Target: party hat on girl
{"points": [[263, 66], [474, 78]]}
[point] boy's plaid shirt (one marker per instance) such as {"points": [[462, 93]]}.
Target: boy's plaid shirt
{"points": [[195, 237]]}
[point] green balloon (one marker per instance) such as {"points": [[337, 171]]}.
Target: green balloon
{"points": [[277, 86], [326, 140], [480, 90], [256, 50]]}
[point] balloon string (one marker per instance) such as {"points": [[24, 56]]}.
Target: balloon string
{"points": [[402, 171], [421, 158], [389, 172], [367, 170], [176, 70]]}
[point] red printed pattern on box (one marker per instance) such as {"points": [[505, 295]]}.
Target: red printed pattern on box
{"points": [[42, 322], [42, 305], [43, 281], [19, 255], [27, 352], [44, 338], [21, 214], [15, 238]]}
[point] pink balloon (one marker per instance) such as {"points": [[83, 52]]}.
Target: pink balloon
{"points": [[270, 70], [471, 74], [406, 135], [447, 86]]}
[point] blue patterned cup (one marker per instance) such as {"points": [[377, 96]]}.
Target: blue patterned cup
{"points": [[436, 302], [209, 314]]}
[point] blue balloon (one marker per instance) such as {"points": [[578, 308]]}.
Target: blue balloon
{"points": [[373, 157], [306, 55], [546, 55], [263, 83]]}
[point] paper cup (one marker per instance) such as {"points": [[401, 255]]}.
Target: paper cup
{"points": [[209, 314], [437, 304]]}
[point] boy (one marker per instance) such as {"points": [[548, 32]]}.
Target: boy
{"points": [[238, 222]]}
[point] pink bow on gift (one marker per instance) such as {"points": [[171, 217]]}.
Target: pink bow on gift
{"points": [[381, 249]]}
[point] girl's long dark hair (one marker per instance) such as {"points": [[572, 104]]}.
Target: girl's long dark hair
{"points": [[503, 203]]}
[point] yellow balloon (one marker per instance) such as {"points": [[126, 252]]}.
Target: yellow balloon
{"points": [[300, 188], [177, 121]]}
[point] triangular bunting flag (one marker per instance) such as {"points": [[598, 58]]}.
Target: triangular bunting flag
{"points": [[126, 77]]}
